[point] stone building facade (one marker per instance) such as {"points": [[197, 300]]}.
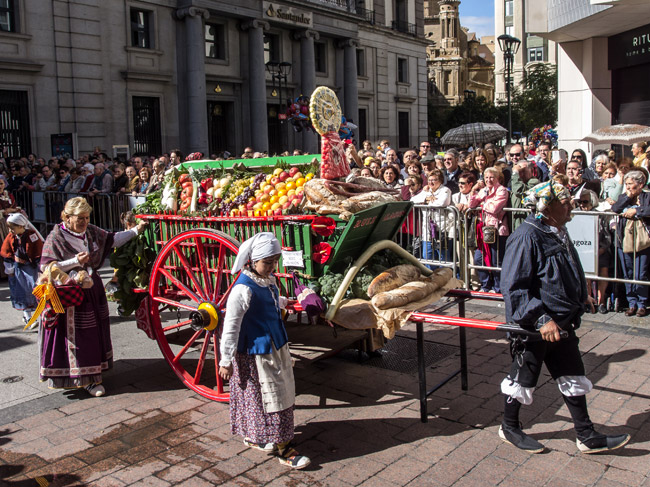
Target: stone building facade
{"points": [[195, 74], [456, 60]]}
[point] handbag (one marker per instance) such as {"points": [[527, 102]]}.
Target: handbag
{"points": [[635, 237], [490, 234], [55, 298], [433, 230], [310, 302]]}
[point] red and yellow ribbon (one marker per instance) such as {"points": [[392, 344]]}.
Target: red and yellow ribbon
{"points": [[45, 292]]}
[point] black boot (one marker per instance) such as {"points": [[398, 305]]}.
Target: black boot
{"points": [[511, 432], [588, 440]]}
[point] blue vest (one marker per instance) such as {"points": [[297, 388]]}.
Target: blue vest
{"points": [[262, 323]]}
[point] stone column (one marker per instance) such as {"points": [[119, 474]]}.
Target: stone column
{"points": [[196, 99], [308, 80], [350, 88], [259, 129]]}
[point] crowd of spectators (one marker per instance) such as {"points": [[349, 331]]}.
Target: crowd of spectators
{"points": [[483, 181], [487, 181], [91, 173]]}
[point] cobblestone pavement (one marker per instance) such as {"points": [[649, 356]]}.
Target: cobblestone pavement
{"points": [[359, 424]]}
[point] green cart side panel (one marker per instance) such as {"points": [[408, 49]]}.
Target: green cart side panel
{"points": [[252, 163], [367, 227]]}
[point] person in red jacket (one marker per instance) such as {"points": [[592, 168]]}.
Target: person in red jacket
{"points": [[21, 252]]}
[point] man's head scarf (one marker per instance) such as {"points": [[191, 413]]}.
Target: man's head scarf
{"points": [[542, 195], [21, 220], [258, 247]]}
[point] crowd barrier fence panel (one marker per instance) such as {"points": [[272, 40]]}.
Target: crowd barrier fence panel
{"points": [[44, 207]]}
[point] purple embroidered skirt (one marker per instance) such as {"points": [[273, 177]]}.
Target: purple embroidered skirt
{"points": [[247, 416], [76, 351]]}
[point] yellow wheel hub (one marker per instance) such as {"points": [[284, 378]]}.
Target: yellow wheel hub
{"points": [[213, 313]]}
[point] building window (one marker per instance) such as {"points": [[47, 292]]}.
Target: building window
{"points": [[271, 48], [320, 57], [510, 30], [140, 28], [510, 8], [215, 41], [402, 70], [14, 123], [361, 62], [146, 125], [403, 127], [535, 54], [7, 16]]}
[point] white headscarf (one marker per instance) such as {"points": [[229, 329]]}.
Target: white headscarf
{"points": [[255, 248], [21, 220]]}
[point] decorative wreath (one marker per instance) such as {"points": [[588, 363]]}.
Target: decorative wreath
{"points": [[325, 110]]}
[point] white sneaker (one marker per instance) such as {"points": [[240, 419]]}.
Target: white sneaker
{"points": [[95, 390]]}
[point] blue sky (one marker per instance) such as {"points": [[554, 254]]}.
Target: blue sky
{"points": [[478, 16]]}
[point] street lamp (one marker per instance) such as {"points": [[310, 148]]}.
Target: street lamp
{"points": [[509, 45], [279, 71]]}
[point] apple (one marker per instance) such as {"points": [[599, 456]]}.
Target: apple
{"points": [[283, 199], [293, 171], [286, 205], [273, 192], [291, 192], [257, 206], [274, 181], [268, 189], [275, 206], [280, 186], [249, 205], [297, 176], [277, 212], [278, 170], [283, 176], [269, 177]]}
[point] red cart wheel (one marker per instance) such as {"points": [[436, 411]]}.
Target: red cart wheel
{"points": [[189, 285]]}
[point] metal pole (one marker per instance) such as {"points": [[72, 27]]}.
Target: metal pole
{"points": [[508, 68]]}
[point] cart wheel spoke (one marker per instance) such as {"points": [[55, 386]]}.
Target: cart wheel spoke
{"points": [[190, 272], [186, 347], [176, 304], [190, 294], [204, 350], [219, 269], [177, 325], [217, 358], [222, 300], [203, 265]]}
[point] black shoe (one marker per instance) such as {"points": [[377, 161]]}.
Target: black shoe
{"points": [[602, 309], [597, 443], [521, 440]]}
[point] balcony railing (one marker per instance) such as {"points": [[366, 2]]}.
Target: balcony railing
{"points": [[366, 15], [405, 27], [348, 5]]}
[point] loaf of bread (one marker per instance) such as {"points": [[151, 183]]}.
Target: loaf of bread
{"points": [[393, 278], [412, 291]]}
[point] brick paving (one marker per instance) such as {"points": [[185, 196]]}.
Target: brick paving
{"points": [[359, 424]]}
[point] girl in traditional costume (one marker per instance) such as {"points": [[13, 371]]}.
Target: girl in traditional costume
{"points": [[77, 348], [21, 252], [255, 354]]}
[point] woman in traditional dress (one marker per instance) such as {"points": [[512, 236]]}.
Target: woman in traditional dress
{"points": [[77, 349], [7, 206], [255, 354], [21, 251]]}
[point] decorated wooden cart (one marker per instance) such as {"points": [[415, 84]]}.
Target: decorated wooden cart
{"points": [[191, 278]]}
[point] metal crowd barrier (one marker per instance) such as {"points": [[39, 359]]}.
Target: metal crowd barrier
{"points": [[451, 242], [431, 235], [44, 207]]}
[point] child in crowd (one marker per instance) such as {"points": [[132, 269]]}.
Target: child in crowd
{"points": [[255, 354], [21, 251]]}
